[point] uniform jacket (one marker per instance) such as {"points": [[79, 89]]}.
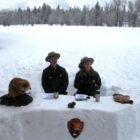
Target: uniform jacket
{"points": [[55, 80], [20, 100], [87, 82]]}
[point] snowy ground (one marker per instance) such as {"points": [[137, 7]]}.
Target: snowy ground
{"points": [[115, 50]]}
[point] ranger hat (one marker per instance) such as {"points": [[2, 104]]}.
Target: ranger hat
{"points": [[51, 54], [85, 59]]}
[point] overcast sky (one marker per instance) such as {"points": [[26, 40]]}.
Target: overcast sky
{"points": [[6, 4]]}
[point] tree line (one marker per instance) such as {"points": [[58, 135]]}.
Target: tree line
{"points": [[115, 13]]}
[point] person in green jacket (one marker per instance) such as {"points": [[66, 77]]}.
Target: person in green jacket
{"points": [[54, 77], [87, 80]]}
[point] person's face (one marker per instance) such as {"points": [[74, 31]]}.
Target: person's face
{"points": [[53, 60], [87, 65]]}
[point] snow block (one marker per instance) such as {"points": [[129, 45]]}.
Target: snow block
{"points": [[47, 120]]}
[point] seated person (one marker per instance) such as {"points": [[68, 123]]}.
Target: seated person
{"points": [[87, 80], [17, 95], [54, 77]]}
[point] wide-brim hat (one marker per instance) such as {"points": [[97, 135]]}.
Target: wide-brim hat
{"points": [[51, 54], [85, 59]]}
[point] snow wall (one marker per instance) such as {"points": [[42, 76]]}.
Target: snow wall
{"points": [[47, 120]]}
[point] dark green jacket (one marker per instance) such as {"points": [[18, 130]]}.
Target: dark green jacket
{"points": [[55, 80], [87, 82]]}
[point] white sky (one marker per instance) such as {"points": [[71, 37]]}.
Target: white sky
{"points": [[4, 4]]}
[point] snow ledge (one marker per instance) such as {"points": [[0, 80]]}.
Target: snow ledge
{"points": [[47, 119]]}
